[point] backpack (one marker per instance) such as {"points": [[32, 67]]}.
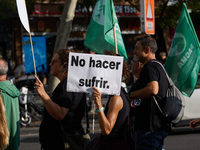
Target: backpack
{"points": [[175, 103]]}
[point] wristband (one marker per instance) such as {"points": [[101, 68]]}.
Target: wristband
{"points": [[99, 110]]}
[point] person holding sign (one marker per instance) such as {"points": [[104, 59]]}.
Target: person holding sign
{"points": [[114, 120], [64, 108]]}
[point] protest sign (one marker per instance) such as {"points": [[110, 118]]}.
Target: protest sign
{"points": [[101, 71]]}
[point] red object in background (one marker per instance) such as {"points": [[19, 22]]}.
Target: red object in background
{"points": [[41, 25], [133, 25], [171, 36], [37, 7]]}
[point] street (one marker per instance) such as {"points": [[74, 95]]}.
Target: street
{"points": [[182, 138], [29, 136]]}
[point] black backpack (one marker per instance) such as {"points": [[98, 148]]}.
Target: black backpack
{"points": [[175, 103]]}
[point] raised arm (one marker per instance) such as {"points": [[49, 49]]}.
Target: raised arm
{"points": [[54, 109], [115, 105]]}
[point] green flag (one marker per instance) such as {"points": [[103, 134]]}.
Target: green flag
{"points": [[183, 63], [100, 36]]}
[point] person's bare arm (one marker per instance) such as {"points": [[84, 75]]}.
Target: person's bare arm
{"points": [[194, 123], [115, 105], [54, 109], [150, 90]]}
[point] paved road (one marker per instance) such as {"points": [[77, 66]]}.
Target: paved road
{"points": [[183, 138], [180, 139], [29, 136]]}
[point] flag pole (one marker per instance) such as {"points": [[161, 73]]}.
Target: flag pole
{"points": [[114, 31], [116, 51], [93, 121], [33, 54], [31, 42]]}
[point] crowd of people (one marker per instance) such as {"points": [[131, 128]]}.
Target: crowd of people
{"points": [[65, 110]]}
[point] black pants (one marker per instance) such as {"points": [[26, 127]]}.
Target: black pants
{"points": [[52, 145]]}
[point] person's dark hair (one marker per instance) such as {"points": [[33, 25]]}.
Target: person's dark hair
{"points": [[3, 67], [125, 71], [64, 57], [148, 41]]}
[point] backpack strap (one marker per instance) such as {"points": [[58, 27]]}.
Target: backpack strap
{"points": [[157, 105], [168, 82], [163, 69]]}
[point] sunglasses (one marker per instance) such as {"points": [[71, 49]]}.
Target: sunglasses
{"points": [[53, 61]]}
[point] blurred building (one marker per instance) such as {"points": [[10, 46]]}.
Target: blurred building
{"points": [[44, 23], [45, 20]]}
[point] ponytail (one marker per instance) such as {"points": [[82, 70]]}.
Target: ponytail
{"points": [[4, 133]]}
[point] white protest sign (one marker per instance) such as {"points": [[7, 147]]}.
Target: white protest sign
{"points": [[101, 71]]}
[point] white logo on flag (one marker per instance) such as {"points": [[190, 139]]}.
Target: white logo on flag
{"points": [[98, 14], [178, 45]]}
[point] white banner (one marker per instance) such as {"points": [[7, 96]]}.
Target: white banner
{"points": [[21, 7], [101, 71]]}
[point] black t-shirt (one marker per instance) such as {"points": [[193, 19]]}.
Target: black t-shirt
{"points": [[147, 116], [50, 128]]}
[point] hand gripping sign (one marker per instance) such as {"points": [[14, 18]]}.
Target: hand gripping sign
{"points": [[88, 70]]}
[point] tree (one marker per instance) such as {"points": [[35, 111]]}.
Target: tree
{"points": [[8, 8], [167, 13], [63, 34]]}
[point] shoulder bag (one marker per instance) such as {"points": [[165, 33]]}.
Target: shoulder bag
{"points": [[175, 103]]}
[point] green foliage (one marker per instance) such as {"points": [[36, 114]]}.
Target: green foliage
{"points": [[8, 8], [169, 15], [30, 6]]}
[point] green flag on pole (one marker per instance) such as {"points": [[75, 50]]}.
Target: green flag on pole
{"points": [[183, 63], [100, 36]]}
